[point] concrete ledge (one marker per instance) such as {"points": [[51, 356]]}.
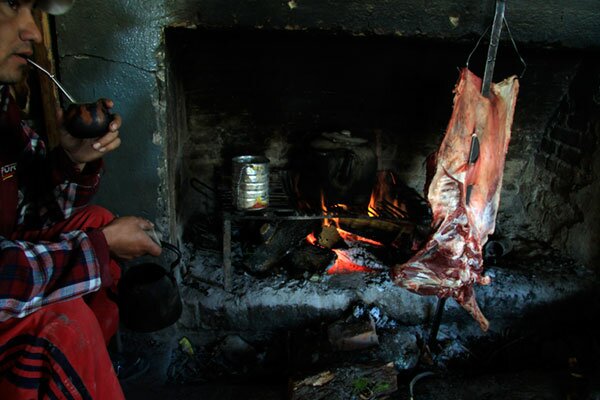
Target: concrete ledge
{"points": [[276, 303]]}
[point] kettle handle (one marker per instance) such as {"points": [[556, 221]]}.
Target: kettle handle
{"points": [[175, 250]]}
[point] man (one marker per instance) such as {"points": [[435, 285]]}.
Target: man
{"points": [[57, 253]]}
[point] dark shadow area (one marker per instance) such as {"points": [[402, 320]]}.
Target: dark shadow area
{"points": [[301, 83]]}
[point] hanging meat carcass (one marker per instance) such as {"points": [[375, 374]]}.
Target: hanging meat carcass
{"points": [[464, 194]]}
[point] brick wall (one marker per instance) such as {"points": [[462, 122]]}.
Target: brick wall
{"points": [[567, 147]]}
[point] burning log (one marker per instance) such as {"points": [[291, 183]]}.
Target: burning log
{"points": [[283, 237], [381, 231], [329, 237], [309, 258]]}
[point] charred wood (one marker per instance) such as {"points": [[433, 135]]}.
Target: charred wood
{"points": [[378, 230], [309, 258], [286, 236]]}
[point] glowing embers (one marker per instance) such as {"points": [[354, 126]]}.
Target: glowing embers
{"points": [[353, 253]]}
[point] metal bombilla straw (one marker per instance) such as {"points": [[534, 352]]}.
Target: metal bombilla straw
{"points": [[82, 120], [56, 82]]}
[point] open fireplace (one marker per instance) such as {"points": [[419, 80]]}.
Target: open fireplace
{"points": [[264, 291], [271, 92]]}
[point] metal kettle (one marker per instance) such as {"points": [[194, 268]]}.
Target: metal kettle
{"points": [[341, 167], [149, 298]]}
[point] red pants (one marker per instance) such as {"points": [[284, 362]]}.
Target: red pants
{"points": [[59, 352]]}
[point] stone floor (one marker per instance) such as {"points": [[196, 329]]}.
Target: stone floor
{"points": [[222, 391], [522, 385]]}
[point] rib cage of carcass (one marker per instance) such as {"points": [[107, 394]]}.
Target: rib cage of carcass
{"points": [[464, 195]]}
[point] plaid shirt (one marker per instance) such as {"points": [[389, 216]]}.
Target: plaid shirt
{"points": [[38, 189]]}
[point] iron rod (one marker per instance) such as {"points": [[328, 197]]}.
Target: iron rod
{"points": [[493, 48], [437, 319], [227, 270]]}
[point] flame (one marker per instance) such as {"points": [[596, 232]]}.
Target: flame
{"points": [[324, 209], [344, 263], [330, 221], [382, 192], [312, 239]]}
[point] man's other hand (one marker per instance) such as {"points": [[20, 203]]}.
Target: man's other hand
{"points": [[82, 151], [127, 238]]}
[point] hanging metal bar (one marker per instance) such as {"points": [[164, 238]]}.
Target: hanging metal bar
{"points": [[493, 47]]}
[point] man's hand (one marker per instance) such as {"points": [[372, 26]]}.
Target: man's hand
{"points": [[82, 151], [127, 238]]}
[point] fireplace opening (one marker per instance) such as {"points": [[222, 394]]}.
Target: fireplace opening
{"points": [[273, 93]]}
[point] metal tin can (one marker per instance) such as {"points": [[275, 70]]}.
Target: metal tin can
{"points": [[250, 182]]}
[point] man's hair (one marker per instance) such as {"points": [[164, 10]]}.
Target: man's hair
{"points": [[55, 7]]}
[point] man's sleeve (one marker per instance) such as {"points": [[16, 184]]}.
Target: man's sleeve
{"points": [[33, 275], [59, 191], [73, 189]]}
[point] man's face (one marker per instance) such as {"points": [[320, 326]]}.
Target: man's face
{"points": [[18, 32]]}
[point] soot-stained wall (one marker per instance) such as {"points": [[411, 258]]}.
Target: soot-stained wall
{"points": [[111, 49]]}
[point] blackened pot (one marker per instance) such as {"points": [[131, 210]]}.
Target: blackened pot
{"points": [[340, 168], [149, 297]]}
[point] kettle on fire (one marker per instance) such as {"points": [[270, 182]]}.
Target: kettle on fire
{"points": [[339, 166]]}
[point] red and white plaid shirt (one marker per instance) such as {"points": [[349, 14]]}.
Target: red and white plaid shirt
{"points": [[38, 189]]}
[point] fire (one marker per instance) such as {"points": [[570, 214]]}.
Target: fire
{"points": [[382, 193], [345, 262], [312, 239]]}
